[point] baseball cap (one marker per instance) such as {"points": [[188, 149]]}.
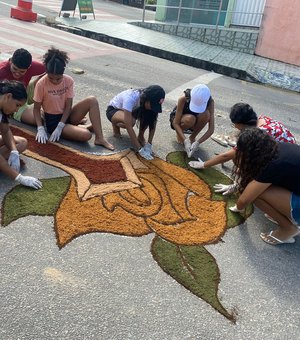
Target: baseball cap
{"points": [[156, 95], [200, 95]]}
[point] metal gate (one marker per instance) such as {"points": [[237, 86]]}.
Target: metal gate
{"points": [[248, 12]]}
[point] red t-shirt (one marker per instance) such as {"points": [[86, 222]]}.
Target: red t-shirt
{"points": [[35, 69]]}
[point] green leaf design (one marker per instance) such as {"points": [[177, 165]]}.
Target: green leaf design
{"points": [[23, 201], [212, 176], [193, 267]]}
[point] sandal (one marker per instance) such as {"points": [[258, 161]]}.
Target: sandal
{"points": [[272, 240], [219, 139], [230, 140]]}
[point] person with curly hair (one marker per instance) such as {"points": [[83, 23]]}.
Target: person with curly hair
{"points": [[194, 110], [137, 106], [54, 92], [267, 173], [243, 116], [12, 96]]}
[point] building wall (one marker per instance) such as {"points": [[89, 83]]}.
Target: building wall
{"points": [[280, 31]]}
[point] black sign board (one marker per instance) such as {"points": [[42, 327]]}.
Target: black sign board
{"points": [[68, 5]]}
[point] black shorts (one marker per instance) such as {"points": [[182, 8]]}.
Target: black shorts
{"points": [[52, 121], [110, 111]]}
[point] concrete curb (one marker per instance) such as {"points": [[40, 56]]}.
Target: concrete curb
{"points": [[178, 58]]}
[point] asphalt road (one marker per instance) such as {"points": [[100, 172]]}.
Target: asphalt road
{"points": [[91, 289]]}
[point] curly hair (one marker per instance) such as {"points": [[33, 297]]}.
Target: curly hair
{"points": [[255, 150], [55, 61], [16, 88], [242, 113]]}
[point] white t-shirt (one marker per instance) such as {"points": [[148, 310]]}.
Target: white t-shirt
{"points": [[127, 100]]}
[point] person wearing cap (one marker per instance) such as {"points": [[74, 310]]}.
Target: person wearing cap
{"points": [[137, 105], [22, 68], [194, 110]]}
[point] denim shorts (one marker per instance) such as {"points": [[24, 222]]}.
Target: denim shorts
{"points": [[110, 111], [295, 209]]}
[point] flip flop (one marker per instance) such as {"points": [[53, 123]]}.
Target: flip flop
{"points": [[219, 139], [230, 140], [270, 218], [274, 240]]}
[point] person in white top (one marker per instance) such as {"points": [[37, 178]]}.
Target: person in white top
{"points": [[137, 105]]}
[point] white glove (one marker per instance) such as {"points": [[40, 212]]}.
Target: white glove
{"points": [[14, 160], [148, 148], [197, 164], [187, 146], [57, 132], [225, 189], [194, 148], [235, 209], [41, 135], [29, 181], [143, 152]]}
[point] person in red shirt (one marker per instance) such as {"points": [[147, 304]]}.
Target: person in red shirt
{"points": [[22, 68]]}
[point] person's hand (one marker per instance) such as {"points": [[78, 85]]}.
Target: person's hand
{"points": [[197, 164], [145, 154], [29, 181], [235, 209], [187, 146], [225, 189], [14, 160], [148, 148], [55, 136], [194, 148], [41, 135]]}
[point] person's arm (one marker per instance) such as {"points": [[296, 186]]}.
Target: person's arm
{"points": [[177, 119], [37, 113], [219, 159], [151, 133], [67, 110], [41, 135], [253, 190], [6, 169], [7, 137], [130, 130], [211, 122]]}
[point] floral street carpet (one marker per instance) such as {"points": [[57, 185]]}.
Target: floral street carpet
{"points": [[126, 195]]}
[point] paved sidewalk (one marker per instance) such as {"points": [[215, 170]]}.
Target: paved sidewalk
{"points": [[190, 52]]}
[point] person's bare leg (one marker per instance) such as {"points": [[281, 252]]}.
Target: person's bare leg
{"points": [[27, 116], [275, 202], [187, 122], [21, 145], [117, 122], [201, 120], [90, 105]]}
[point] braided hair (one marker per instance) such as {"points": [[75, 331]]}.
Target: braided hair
{"points": [[55, 61]]}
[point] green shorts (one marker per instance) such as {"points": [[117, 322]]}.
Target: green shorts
{"points": [[17, 115]]}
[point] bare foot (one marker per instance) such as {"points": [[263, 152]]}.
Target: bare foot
{"points": [[105, 144]]}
